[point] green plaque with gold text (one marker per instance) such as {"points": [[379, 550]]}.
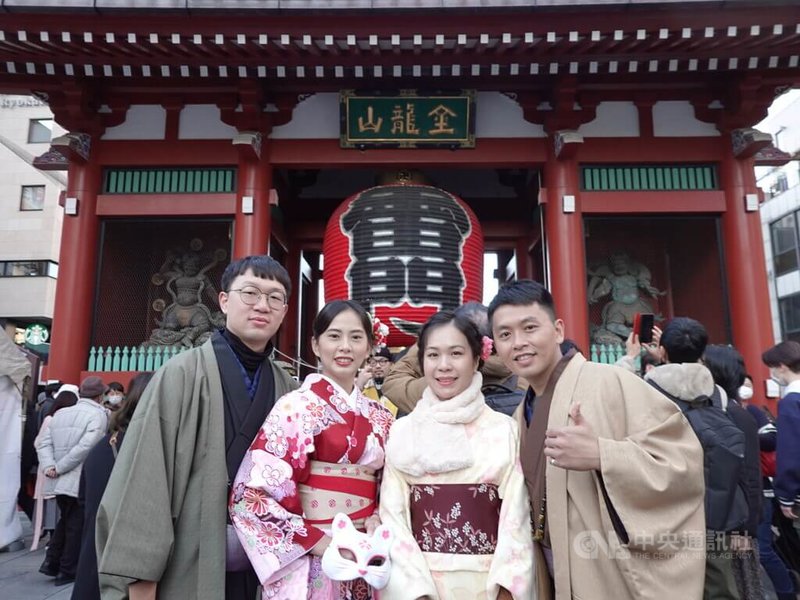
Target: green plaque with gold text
{"points": [[407, 120]]}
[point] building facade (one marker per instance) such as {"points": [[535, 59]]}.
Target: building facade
{"points": [[609, 151], [780, 185], [30, 217]]}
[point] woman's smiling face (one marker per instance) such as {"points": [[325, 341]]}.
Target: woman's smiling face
{"points": [[342, 348], [448, 362]]}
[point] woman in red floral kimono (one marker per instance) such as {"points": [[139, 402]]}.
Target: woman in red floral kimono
{"points": [[317, 454]]}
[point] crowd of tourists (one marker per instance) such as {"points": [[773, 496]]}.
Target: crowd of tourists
{"points": [[490, 460]]}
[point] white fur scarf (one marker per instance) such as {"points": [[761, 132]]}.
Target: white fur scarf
{"points": [[432, 439]]}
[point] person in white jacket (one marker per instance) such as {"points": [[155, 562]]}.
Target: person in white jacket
{"points": [[62, 450], [14, 369]]}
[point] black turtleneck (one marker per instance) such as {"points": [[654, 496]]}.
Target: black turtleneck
{"points": [[249, 358]]}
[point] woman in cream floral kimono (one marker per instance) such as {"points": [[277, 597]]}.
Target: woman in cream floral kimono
{"points": [[317, 454], [453, 490]]}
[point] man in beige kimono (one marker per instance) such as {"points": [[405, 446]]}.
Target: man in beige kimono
{"points": [[161, 526], [614, 472]]}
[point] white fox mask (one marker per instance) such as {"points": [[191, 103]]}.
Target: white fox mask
{"points": [[371, 553]]}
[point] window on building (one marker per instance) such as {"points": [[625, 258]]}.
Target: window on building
{"points": [[28, 268], [790, 317], [40, 131], [32, 197], [784, 244]]}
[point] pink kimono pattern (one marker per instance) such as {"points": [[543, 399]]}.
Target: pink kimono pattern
{"points": [[270, 499]]}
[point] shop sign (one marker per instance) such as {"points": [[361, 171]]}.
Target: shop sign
{"points": [[407, 120], [36, 334]]}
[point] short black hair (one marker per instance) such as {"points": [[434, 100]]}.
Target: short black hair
{"points": [[116, 386], [477, 313], [785, 353], [329, 312], [262, 266], [460, 322], [523, 292], [685, 340], [726, 366]]}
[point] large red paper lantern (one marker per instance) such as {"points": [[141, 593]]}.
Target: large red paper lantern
{"points": [[404, 252]]}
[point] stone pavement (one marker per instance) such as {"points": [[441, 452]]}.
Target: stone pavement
{"points": [[19, 573]]}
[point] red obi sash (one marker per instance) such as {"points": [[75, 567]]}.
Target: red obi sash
{"points": [[338, 488], [457, 518]]}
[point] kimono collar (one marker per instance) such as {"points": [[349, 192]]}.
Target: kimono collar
{"points": [[433, 438], [351, 398]]}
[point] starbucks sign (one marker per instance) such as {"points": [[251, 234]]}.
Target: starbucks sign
{"points": [[36, 334]]}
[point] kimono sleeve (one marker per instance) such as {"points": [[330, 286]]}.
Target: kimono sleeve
{"points": [[651, 470], [513, 555], [265, 505], [410, 578], [134, 528]]}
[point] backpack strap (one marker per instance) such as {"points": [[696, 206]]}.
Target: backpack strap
{"points": [[698, 402]]}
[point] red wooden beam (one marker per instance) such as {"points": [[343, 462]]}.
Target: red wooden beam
{"points": [[489, 153], [161, 152], [172, 205], [652, 202], [644, 150]]}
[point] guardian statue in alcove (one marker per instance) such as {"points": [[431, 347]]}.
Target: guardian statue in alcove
{"points": [[187, 321], [628, 283]]}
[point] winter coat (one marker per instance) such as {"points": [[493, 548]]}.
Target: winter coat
{"points": [[94, 479], [66, 443]]}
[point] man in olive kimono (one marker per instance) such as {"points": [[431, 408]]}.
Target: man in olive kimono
{"points": [[614, 472], [161, 526]]}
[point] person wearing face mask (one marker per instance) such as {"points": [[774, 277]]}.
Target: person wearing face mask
{"points": [[767, 437], [452, 466], [727, 367], [783, 361], [319, 453], [114, 396]]}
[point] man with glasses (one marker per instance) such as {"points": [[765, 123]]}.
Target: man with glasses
{"points": [[162, 527], [370, 379]]}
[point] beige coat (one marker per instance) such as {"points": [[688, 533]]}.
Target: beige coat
{"points": [[163, 514], [652, 469]]}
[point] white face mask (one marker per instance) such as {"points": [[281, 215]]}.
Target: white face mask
{"points": [[745, 393], [114, 400], [371, 551]]}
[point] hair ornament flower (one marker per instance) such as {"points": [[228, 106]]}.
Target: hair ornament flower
{"points": [[486, 347], [379, 333]]}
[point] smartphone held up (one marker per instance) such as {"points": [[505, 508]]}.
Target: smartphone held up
{"points": [[643, 327]]}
